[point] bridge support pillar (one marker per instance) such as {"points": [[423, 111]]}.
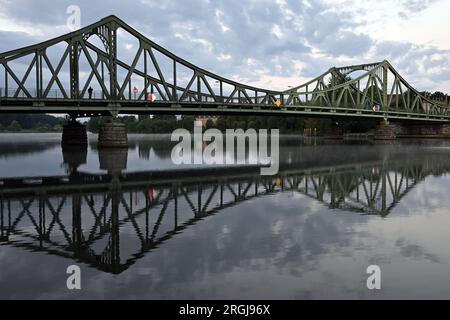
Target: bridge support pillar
{"points": [[74, 134], [445, 130], [334, 133], [385, 131], [113, 135], [421, 131]]}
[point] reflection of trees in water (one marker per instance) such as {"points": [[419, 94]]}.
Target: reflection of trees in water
{"points": [[294, 150], [93, 144], [161, 148], [15, 148]]}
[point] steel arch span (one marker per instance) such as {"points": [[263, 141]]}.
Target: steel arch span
{"points": [[56, 76]]}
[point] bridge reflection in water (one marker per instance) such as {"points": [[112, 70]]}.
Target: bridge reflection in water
{"points": [[109, 221]]}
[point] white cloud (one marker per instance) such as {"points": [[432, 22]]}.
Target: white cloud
{"points": [[276, 31]]}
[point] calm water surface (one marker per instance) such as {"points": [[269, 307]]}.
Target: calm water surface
{"points": [[140, 227]]}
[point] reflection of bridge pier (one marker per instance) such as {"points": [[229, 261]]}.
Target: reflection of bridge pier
{"points": [[113, 160], [5, 227], [73, 157], [111, 255]]}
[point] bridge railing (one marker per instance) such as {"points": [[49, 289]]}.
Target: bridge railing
{"points": [[308, 99], [18, 93]]}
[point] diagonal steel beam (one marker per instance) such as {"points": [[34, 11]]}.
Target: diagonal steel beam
{"points": [[91, 63], [55, 73]]}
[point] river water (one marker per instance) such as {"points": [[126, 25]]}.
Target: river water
{"points": [[138, 226]]}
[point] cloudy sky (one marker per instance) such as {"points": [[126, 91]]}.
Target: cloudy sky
{"points": [[267, 43]]}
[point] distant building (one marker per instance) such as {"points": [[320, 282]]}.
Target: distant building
{"points": [[201, 120]]}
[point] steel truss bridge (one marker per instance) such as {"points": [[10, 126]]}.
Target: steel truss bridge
{"points": [[55, 76], [109, 222]]}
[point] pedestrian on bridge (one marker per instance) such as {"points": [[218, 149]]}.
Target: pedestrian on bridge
{"points": [[90, 90]]}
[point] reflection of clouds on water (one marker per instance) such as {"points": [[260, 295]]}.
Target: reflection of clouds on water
{"points": [[415, 251], [237, 254]]}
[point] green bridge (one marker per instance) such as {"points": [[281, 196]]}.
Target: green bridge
{"points": [[82, 74]]}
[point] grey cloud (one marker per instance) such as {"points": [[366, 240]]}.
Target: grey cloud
{"points": [[348, 43], [417, 5], [411, 7], [11, 40]]}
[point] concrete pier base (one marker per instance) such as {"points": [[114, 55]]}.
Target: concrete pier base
{"points": [[334, 133], [423, 131], [113, 135], [74, 134], [445, 131], [385, 131]]}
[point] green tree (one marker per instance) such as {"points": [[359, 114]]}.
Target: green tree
{"points": [[42, 128], [209, 124], [145, 126], [95, 122], [252, 125], [221, 124], [14, 126], [187, 122], [131, 122]]}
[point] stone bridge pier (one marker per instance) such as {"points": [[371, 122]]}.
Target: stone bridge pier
{"points": [[385, 131], [74, 134], [334, 132], [111, 135], [391, 131]]}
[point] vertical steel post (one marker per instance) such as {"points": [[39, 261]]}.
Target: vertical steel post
{"points": [[174, 89], [6, 83], [103, 77], [74, 80], [112, 41], [385, 87], [145, 75], [38, 69], [175, 193]]}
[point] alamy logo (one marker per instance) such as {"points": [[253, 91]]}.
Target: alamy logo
{"points": [[74, 280], [213, 147], [73, 22], [374, 280]]}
